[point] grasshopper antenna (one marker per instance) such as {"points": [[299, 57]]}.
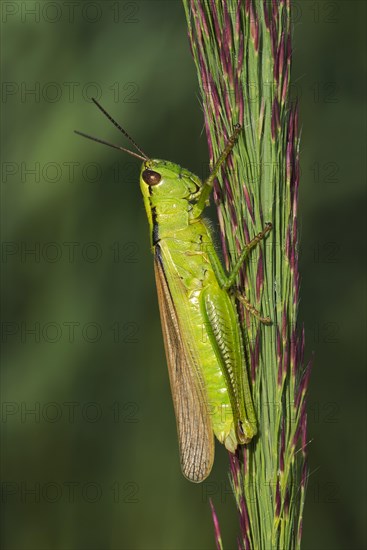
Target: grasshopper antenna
{"points": [[142, 155], [120, 128], [110, 145]]}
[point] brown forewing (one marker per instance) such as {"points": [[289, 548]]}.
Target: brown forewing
{"points": [[195, 434]]}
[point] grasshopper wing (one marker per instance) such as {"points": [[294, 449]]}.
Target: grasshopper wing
{"points": [[195, 433]]}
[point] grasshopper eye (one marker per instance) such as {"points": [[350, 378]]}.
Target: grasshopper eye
{"points": [[151, 178]]}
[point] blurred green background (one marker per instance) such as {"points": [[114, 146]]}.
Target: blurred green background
{"points": [[89, 451]]}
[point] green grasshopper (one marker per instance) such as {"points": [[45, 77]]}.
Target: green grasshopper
{"points": [[202, 335]]}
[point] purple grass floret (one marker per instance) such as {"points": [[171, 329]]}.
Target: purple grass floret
{"points": [[218, 31], [227, 30], [276, 113], [248, 201], [254, 26], [238, 34], [241, 53], [289, 163], [227, 103], [285, 85], [303, 428], [286, 361], [266, 14], [279, 345], [273, 39], [235, 470], [286, 503], [203, 21], [281, 57], [218, 537], [302, 388], [210, 145], [276, 69], [244, 523], [246, 231]]}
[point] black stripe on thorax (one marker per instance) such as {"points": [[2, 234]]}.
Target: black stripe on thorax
{"points": [[155, 237]]}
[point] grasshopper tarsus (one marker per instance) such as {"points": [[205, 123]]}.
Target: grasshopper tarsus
{"points": [[252, 309]]}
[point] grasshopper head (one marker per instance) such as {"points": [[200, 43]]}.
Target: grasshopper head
{"points": [[163, 179]]}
